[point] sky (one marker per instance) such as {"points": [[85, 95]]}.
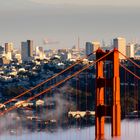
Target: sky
{"points": [[61, 22], [89, 2]]}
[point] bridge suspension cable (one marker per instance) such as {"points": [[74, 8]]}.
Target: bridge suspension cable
{"points": [[130, 71], [55, 85], [27, 91], [129, 59]]}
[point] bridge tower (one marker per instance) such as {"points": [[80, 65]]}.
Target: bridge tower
{"points": [[114, 109]]}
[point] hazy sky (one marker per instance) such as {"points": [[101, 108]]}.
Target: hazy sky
{"points": [[90, 2], [64, 20]]}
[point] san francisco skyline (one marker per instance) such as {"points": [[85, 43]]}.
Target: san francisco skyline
{"points": [[63, 21]]}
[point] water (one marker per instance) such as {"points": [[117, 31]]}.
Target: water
{"points": [[130, 131]]}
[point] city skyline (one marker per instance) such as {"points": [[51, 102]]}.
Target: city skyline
{"points": [[29, 52], [63, 21], [69, 69]]}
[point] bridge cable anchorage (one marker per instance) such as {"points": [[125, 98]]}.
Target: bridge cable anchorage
{"points": [[55, 85], [129, 59], [130, 71], [27, 91]]}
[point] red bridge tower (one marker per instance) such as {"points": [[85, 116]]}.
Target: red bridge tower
{"points": [[102, 110]]}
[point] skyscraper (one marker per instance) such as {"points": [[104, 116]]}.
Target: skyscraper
{"points": [[1, 51], [120, 44], [130, 50], [27, 50], [92, 47], [8, 50], [8, 47], [89, 50], [96, 45], [39, 52], [30, 47]]}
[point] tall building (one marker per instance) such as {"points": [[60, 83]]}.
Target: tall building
{"points": [[39, 52], [9, 47], [120, 44], [30, 46], [96, 45], [1, 51], [27, 50], [69, 55], [130, 50], [8, 50], [89, 50], [92, 47]]}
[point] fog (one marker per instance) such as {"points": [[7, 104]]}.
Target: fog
{"points": [[130, 131]]}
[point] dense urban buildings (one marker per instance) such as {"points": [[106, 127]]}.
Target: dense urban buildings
{"points": [[28, 51], [14, 61], [22, 70]]}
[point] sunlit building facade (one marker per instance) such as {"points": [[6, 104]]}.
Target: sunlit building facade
{"points": [[120, 44]]}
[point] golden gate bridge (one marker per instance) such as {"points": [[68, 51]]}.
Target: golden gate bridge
{"points": [[101, 108]]}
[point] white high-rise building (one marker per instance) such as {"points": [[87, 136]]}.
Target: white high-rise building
{"points": [[9, 50], [120, 44], [96, 45], [69, 55], [131, 50], [9, 47], [39, 52]]}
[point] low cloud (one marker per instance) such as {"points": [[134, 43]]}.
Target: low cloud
{"points": [[50, 41]]}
